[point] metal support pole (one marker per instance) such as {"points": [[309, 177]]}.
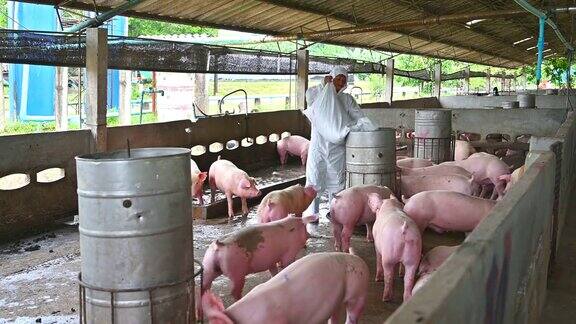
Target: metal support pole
{"points": [[542, 24], [389, 90], [302, 78]]}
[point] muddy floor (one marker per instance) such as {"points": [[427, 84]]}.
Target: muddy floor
{"points": [[38, 274]]}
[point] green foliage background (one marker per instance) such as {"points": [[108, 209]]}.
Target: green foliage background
{"points": [[139, 27]]}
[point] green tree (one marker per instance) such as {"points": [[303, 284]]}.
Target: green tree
{"points": [[140, 27], [3, 14]]}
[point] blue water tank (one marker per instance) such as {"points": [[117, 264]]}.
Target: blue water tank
{"points": [[31, 86], [117, 26]]}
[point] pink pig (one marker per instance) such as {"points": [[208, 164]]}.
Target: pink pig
{"points": [[397, 240], [511, 179], [411, 185], [279, 203], [431, 262], [413, 163], [434, 258], [293, 145], [197, 179], [462, 150], [254, 249], [310, 290], [487, 170], [225, 176], [444, 210], [436, 170], [350, 208]]}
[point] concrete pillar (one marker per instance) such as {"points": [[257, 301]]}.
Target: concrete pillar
{"points": [[125, 108], [302, 78], [467, 80], [61, 99], [488, 79], [97, 82], [437, 80], [200, 92], [2, 109], [389, 86], [215, 84]]}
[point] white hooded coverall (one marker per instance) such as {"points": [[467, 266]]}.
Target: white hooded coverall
{"points": [[325, 167]]}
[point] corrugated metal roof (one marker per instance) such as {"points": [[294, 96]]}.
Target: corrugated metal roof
{"points": [[488, 42]]}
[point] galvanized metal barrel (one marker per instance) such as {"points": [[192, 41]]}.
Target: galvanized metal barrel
{"points": [[527, 100], [433, 135], [371, 158], [136, 236]]}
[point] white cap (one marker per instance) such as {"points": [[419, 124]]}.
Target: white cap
{"points": [[337, 70]]}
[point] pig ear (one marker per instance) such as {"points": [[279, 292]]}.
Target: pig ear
{"points": [[202, 176], [245, 183], [309, 219], [505, 177]]}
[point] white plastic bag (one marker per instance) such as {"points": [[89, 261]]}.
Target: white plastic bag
{"points": [[329, 117], [364, 124]]}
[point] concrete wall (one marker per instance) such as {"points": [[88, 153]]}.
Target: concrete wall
{"points": [[499, 273], [431, 102], [538, 122], [36, 205], [542, 101], [563, 145]]}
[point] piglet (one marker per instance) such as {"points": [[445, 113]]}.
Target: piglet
{"points": [[444, 210], [279, 203], [411, 185], [197, 179], [413, 163], [254, 249], [293, 145], [349, 208], [310, 290], [397, 240], [227, 177], [431, 262]]}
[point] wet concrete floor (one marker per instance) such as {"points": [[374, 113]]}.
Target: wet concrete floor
{"points": [[38, 274]]}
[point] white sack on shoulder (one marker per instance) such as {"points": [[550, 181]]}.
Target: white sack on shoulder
{"points": [[329, 117]]}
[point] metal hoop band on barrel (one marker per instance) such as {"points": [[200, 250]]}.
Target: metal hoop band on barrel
{"points": [[82, 286]]}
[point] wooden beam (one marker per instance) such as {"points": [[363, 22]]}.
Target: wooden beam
{"points": [[467, 80], [97, 82], [2, 109], [389, 86], [61, 99], [437, 79], [302, 78], [488, 83]]}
